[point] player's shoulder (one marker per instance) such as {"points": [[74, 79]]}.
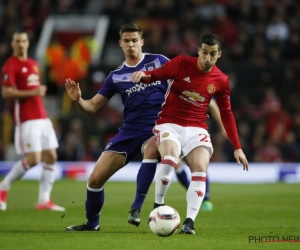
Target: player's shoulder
{"points": [[32, 61], [154, 56], [220, 73], [11, 60], [118, 70]]}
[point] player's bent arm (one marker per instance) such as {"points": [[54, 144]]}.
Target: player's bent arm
{"points": [[92, 105], [13, 93], [166, 72], [215, 112]]}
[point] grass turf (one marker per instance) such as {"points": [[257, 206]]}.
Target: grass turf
{"points": [[239, 211]]}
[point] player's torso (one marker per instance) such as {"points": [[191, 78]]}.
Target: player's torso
{"points": [[142, 102], [27, 78], [190, 95], [26, 75], [139, 93], [196, 89]]}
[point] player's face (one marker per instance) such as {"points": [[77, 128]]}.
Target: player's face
{"points": [[20, 43], [208, 56], [131, 44]]}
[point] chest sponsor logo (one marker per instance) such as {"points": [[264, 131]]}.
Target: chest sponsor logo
{"points": [[141, 86], [33, 80], [211, 88], [192, 97]]}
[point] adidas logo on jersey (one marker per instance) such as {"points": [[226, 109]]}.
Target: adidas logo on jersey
{"points": [[187, 79]]}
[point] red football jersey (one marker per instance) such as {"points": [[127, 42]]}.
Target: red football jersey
{"points": [[187, 99], [24, 75]]}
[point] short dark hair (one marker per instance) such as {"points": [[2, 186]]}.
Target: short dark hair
{"points": [[131, 27], [21, 31], [18, 32], [211, 40]]}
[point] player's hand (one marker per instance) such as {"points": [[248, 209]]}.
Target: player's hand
{"points": [[241, 158], [73, 90], [40, 91], [136, 76]]}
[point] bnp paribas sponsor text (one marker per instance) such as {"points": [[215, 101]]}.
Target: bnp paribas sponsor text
{"points": [[273, 238]]}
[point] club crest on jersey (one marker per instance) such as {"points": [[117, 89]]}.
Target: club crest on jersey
{"points": [[211, 88], [36, 69], [194, 96], [5, 77], [165, 135], [150, 66]]}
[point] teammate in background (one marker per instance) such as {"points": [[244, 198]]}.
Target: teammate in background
{"points": [[142, 104], [181, 128], [34, 133]]}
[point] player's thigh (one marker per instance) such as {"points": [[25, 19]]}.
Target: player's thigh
{"points": [[49, 156], [48, 139], [108, 163], [198, 159], [195, 137], [150, 150], [28, 137], [168, 139]]}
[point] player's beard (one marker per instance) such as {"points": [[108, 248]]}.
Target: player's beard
{"points": [[207, 66]]}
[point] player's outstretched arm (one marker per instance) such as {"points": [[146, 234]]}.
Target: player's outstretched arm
{"points": [[241, 158], [88, 106], [13, 93]]}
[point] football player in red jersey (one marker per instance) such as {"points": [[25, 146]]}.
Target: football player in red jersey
{"points": [[35, 137], [181, 128]]}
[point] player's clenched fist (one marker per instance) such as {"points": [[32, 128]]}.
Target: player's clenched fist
{"points": [[136, 76], [73, 90]]}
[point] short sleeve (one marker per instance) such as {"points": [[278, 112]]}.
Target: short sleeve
{"points": [[8, 75], [107, 89]]}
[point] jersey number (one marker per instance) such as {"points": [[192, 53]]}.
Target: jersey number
{"points": [[204, 138]]}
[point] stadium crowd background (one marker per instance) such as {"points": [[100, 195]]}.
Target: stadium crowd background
{"points": [[261, 55]]}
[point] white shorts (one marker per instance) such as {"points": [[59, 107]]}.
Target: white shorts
{"points": [[35, 136], [186, 138]]}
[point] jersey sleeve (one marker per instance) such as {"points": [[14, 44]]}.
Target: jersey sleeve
{"points": [[165, 72], [223, 101], [8, 75], [107, 89]]}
